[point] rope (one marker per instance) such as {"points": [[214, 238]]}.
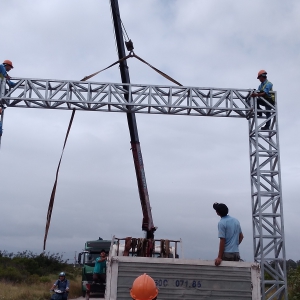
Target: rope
{"points": [[126, 37], [51, 202], [132, 54], [158, 71], [124, 29], [92, 75]]}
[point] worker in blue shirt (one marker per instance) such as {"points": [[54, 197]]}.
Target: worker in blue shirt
{"points": [[230, 234], [264, 97], [4, 68], [99, 273]]}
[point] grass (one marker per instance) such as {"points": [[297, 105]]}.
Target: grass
{"points": [[36, 291]]}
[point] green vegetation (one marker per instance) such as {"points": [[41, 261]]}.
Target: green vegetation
{"points": [[294, 281], [29, 276], [293, 278]]}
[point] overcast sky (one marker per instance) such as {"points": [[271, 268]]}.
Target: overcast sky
{"points": [[190, 162]]}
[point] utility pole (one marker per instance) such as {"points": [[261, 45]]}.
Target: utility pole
{"points": [[147, 224]]}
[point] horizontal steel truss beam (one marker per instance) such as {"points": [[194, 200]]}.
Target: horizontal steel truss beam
{"points": [[267, 212], [63, 94]]}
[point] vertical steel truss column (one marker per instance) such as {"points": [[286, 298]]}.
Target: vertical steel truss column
{"points": [[267, 211], [2, 92]]}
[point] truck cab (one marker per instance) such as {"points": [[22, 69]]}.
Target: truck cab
{"points": [[87, 259]]}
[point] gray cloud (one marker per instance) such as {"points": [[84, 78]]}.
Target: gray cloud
{"points": [[190, 162]]}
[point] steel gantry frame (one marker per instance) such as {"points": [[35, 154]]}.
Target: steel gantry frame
{"points": [[266, 194]]}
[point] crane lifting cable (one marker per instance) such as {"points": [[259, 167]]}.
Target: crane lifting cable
{"points": [[52, 197], [115, 8], [132, 54], [129, 46]]}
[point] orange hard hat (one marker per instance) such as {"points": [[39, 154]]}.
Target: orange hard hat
{"points": [[261, 72], [144, 288], [8, 62]]}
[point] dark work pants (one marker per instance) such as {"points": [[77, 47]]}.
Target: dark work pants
{"points": [[231, 256], [264, 102], [99, 278]]}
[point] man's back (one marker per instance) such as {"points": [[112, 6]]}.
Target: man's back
{"points": [[229, 228]]}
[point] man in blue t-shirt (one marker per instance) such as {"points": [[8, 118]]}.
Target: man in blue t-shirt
{"points": [[99, 274], [230, 234], [264, 97]]}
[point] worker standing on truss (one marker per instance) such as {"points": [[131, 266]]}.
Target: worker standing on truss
{"points": [[230, 234], [4, 68], [265, 97]]}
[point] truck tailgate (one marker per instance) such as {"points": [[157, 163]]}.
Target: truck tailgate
{"points": [[184, 279]]}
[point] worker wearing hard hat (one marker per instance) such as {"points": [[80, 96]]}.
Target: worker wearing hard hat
{"points": [[144, 288], [4, 68], [265, 96]]}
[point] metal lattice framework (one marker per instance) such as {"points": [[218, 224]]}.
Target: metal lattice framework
{"points": [[266, 195], [63, 94], [267, 211]]}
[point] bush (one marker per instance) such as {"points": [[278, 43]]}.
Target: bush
{"points": [[294, 283], [11, 274], [32, 279], [29, 267], [45, 279]]}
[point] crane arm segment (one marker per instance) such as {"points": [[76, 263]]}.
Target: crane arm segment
{"points": [[147, 224]]}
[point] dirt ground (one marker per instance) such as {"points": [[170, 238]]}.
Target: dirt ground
{"points": [[93, 296]]}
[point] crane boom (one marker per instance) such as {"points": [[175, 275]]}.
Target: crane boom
{"points": [[147, 224]]}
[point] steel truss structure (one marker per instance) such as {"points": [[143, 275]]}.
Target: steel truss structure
{"points": [[266, 194]]}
